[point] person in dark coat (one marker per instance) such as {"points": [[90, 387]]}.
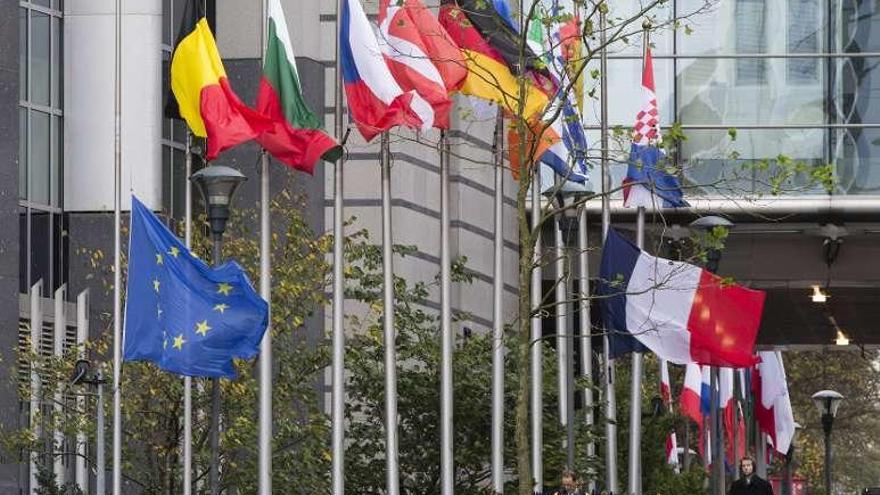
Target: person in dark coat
{"points": [[569, 485], [749, 483]]}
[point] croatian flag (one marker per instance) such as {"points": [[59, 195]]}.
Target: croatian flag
{"points": [[666, 395], [681, 312], [422, 58], [376, 102], [646, 184]]}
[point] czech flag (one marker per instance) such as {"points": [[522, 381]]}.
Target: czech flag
{"points": [[376, 102], [681, 312], [422, 57], [646, 184]]}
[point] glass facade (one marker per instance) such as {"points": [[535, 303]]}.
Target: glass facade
{"points": [[173, 131], [793, 77], [41, 150]]}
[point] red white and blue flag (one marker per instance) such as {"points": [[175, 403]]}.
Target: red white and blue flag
{"points": [[666, 395], [679, 311], [376, 102], [422, 57], [647, 184]]}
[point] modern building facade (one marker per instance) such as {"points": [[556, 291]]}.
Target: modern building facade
{"points": [[793, 77]]}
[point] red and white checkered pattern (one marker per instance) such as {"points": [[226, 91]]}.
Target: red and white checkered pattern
{"points": [[646, 130]]}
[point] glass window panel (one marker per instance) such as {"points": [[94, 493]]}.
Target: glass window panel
{"points": [[750, 18], [22, 54], [631, 38], [57, 64], [804, 24], [44, 3], [56, 176], [857, 160], [625, 91], [178, 185], [40, 248], [167, 193], [22, 153], [177, 8], [711, 93], [716, 165], [167, 37], [59, 253], [40, 58], [855, 86], [39, 158], [858, 26]]}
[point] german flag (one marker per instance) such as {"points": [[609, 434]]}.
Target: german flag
{"points": [[201, 89], [490, 76]]}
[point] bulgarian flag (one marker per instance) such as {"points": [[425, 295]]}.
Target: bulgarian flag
{"points": [[295, 137]]}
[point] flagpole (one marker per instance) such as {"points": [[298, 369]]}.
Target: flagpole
{"points": [[635, 402], [338, 364], [392, 478], [563, 340], [497, 314], [446, 338], [536, 341], [586, 343], [117, 260], [265, 436], [610, 397], [187, 381]]}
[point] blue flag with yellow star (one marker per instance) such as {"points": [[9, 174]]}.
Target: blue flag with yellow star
{"points": [[184, 316]]}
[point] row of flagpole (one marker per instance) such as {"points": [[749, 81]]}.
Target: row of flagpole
{"points": [[338, 336]]}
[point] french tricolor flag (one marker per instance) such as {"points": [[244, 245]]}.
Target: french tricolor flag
{"points": [[679, 311], [647, 184], [376, 102]]}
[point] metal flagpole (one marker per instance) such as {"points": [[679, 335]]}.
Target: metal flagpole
{"points": [[586, 343], [117, 260], [717, 463], [563, 340], [635, 408], [187, 381], [610, 398], [497, 315], [635, 403], [392, 480], [537, 342], [447, 475], [338, 364], [265, 439]]}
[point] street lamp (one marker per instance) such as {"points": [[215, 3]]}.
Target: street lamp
{"points": [[827, 402], [707, 224], [217, 185]]}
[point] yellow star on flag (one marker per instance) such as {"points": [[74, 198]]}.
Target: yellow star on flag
{"points": [[221, 307], [156, 284], [224, 288], [159, 259], [202, 328], [178, 342], [174, 251]]}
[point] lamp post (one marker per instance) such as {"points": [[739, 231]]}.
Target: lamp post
{"points": [[713, 259], [85, 374], [789, 463], [217, 185], [827, 402]]}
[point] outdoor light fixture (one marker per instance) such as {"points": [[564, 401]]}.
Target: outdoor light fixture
{"points": [[827, 402], [218, 184], [841, 339], [818, 295]]}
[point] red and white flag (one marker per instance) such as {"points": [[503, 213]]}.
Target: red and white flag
{"points": [[690, 395], [422, 57], [731, 411], [666, 395], [772, 402]]}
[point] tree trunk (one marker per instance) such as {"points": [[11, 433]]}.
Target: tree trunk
{"points": [[523, 341]]}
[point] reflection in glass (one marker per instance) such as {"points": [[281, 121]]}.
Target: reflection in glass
{"points": [[56, 181], [40, 58], [804, 25], [22, 54], [39, 158], [750, 37]]}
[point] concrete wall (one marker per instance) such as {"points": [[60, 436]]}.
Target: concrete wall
{"points": [[9, 240]]}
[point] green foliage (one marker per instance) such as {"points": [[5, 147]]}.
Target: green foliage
{"points": [[47, 483]]}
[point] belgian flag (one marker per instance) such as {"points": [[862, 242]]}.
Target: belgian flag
{"points": [[202, 94]]}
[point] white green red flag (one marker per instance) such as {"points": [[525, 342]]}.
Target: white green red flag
{"points": [[296, 137]]}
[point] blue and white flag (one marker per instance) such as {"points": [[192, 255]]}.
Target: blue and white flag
{"points": [[182, 315]]}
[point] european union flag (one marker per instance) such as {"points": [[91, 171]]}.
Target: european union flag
{"points": [[184, 316]]}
